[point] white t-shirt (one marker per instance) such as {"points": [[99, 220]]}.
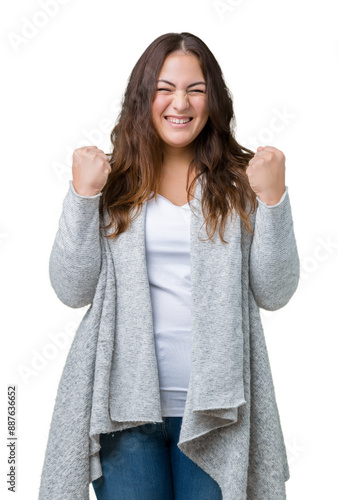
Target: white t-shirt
{"points": [[167, 238]]}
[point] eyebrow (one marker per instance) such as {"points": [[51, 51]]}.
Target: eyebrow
{"points": [[191, 85]]}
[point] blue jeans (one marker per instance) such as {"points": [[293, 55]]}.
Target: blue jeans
{"points": [[145, 463]]}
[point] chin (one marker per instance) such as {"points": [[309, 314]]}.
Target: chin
{"points": [[178, 144], [181, 145]]}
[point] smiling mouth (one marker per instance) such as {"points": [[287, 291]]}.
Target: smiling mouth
{"points": [[179, 121]]}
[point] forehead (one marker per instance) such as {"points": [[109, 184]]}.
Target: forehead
{"points": [[181, 67]]}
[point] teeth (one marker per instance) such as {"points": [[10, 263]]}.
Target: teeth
{"points": [[176, 120]]}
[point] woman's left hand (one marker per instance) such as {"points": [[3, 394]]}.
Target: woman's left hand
{"points": [[266, 174]]}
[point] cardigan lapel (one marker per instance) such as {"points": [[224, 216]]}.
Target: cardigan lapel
{"points": [[216, 387], [134, 387]]}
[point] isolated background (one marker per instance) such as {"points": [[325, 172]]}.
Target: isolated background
{"points": [[65, 66]]}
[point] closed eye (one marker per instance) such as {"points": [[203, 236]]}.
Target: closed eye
{"points": [[193, 90]]}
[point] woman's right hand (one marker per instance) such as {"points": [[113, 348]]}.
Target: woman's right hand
{"points": [[90, 170]]}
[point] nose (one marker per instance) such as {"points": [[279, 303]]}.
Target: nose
{"points": [[180, 101]]}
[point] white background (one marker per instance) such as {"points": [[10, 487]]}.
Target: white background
{"points": [[63, 77]]}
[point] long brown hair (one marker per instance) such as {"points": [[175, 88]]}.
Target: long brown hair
{"points": [[136, 157]]}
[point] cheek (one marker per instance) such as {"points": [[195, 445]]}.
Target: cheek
{"points": [[203, 108], [160, 103], [200, 107]]}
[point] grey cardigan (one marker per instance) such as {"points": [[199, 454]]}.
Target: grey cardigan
{"points": [[231, 426]]}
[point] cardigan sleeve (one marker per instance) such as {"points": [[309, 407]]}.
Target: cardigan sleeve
{"points": [[274, 261], [75, 259]]}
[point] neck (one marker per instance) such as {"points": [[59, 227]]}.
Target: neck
{"points": [[177, 159]]}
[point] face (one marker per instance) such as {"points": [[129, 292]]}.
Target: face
{"points": [[180, 95]]}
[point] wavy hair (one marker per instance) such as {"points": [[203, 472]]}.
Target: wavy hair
{"points": [[137, 157]]}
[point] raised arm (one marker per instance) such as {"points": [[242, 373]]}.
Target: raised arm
{"points": [[274, 261], [75, 259]]}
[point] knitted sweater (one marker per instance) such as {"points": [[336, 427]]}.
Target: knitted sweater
{"points": [[231, 426]]}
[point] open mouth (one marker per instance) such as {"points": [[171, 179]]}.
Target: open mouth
{"points": [[178, 121]]}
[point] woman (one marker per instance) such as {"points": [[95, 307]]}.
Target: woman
{"points": [[167, 389]]}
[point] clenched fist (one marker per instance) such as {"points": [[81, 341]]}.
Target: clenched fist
{"points": [[90, 170], [266, 174]]}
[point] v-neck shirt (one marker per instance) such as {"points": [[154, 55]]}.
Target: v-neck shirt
{"points": [[167, 235]]}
